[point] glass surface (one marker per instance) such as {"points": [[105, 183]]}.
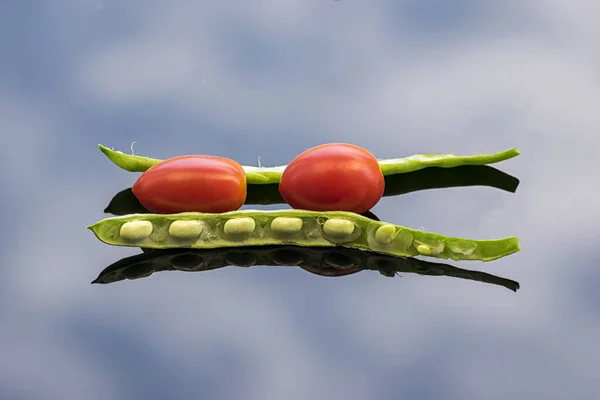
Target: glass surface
{"points": [[260, 82]]}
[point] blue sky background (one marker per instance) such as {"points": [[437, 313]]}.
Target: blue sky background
{"points": [[271, 79]]}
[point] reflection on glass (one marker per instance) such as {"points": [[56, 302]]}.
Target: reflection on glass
{"points": [[125, 202], [331, 262]]}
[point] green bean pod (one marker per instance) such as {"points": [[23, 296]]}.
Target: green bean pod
{"points": [[292, 227], [266, 175]]}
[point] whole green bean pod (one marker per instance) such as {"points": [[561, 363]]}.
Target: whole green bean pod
{"points": [[292, 227], [266, 175]]}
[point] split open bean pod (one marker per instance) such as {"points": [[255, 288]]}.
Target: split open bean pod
{"points": [[293, 227]]}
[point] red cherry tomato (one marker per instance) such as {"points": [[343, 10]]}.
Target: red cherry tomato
{"points": [[192, 183], [333, 177]]}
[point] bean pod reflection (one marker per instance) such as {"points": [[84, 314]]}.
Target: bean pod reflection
{"points": [[336, 262]]}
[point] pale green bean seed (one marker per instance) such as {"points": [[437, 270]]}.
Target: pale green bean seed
{"points": [[286, 225], [430, 247], [136, 230], [338, 229], [385, 234], [185, 229], [424, 250], [239, 226]]}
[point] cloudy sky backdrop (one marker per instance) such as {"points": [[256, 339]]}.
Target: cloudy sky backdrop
{"points": [[267, 78]]}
